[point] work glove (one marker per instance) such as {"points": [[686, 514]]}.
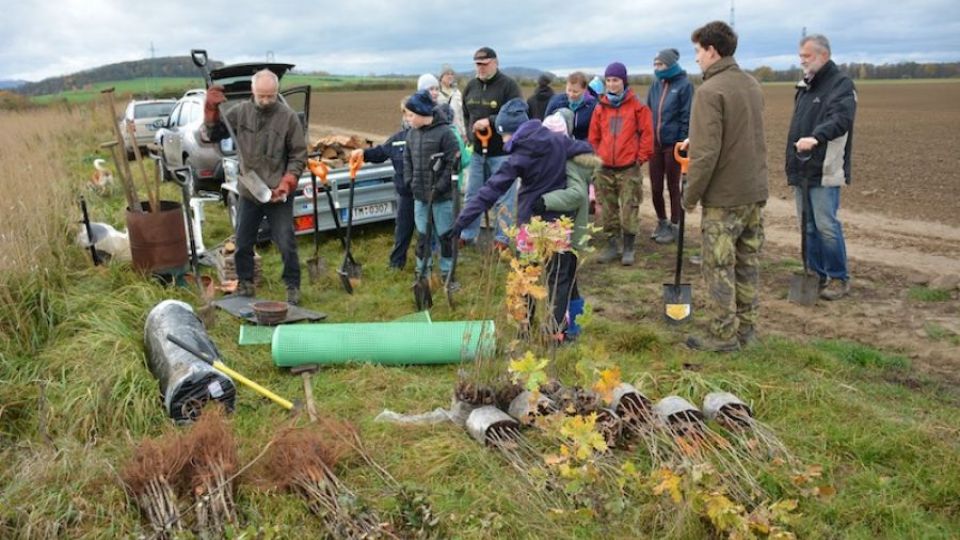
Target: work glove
{"points": [[211, 104], [539, 207], [287, 184]]}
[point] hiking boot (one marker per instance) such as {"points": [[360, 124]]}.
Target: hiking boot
{"points": [[835, 289], [712, 344], [611, 252], [628, 249], [293, 296], [746, 336], [668, 236], [661, 225], [246, 288]]}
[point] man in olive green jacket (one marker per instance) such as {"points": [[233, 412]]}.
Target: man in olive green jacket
{"points": [[271, 143], [728, 177]]}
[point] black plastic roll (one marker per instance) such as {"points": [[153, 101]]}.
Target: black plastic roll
{"points": [[187, 383]]}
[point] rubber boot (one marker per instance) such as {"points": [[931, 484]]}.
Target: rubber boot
{"points": [[611, 252], [575, 309], [628, 249]]}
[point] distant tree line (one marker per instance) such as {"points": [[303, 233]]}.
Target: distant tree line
{"points": [[170, 66], [902, 70]]}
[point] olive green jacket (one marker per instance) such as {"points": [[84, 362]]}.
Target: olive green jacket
{"points": [[575, 197], [728, 152]]}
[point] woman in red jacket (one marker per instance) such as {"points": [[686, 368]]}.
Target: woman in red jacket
{"points": [[621, 131]]}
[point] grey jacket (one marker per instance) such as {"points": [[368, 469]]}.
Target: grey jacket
{"points": [[270, 141]]}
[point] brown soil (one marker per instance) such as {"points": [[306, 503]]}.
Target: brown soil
{"points": [[901, 221]]}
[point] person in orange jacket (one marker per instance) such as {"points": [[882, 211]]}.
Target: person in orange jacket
{"points": [[621, 132]]}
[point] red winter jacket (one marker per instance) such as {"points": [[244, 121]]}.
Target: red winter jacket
{"points": [[622, 135]]}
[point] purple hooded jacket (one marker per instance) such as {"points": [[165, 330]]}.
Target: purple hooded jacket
{"points": [[539, 158]]}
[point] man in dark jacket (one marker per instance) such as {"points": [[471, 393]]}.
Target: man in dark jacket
{"points": [[728, 177], [577, 99], [272, 144], [430, 134], [822, 129], [482, 99], [538, 157], [537, 103]]}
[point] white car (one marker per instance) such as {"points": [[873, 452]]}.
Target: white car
{"points": [[145, 116]]}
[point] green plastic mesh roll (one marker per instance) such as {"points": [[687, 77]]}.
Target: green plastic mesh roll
{"points": [[395, 343]]}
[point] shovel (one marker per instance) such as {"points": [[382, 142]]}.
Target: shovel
{"points": [[421, 287], [805, 286], [678, 297], [484, 135], [207, 313], [350, 269], [455, 244], [315, 264]]}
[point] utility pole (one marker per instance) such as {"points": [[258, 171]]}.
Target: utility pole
{"points": [[153, 66]]}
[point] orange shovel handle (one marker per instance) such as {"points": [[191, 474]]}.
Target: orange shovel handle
{"points": [[684, 160], [356, 161], [319, 169], [483, 135]]}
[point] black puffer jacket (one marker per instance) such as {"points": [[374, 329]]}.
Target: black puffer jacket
{"points": [[421, 144], [483, 99], [824, 109]]}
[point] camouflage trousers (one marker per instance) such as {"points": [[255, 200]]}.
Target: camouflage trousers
{"points": [[620, 192], [732, 238]]}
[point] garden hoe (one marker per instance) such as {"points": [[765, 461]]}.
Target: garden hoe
{"points": [[222, 368], [421, 287], [805, 286], [678, 297], [315, 264], [350, 269], [455, 243]]}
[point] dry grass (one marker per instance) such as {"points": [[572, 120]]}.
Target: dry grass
{"points": [[39, 203]]}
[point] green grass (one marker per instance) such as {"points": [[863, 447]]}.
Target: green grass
{"points": [[927, 294], [174, 87], [76, 397]]}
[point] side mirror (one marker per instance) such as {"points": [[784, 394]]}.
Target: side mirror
{"points": [[159, 123]]}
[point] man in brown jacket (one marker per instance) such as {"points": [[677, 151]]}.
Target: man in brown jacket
{"points": [[272, 144], [728, 178]]}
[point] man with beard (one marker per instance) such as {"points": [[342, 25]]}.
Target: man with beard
{"points": [[272, 144]]}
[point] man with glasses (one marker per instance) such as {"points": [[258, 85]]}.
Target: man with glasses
{"points": [[482, 99], [271, 142]]}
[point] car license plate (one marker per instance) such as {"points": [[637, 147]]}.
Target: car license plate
{"points": [[368, 211]]}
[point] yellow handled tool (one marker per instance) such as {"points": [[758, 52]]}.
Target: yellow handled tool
{"points": [[221, 367]]}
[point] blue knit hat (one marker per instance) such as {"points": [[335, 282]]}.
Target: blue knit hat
{"points": [[511, 115], [420, 103], [617, 70]]}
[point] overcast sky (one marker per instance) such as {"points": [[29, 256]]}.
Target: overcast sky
{"points": [[41, 39]]}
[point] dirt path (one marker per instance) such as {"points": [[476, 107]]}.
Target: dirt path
{"points": [[887, 257]]}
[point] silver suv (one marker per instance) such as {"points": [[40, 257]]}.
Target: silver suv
{"points": [[146, 116]]}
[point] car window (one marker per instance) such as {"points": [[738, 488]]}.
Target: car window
{"points": [[186, 113], [153, 110], [175, 115]]}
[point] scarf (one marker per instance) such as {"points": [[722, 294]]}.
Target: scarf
{"points": [[667, 73]]}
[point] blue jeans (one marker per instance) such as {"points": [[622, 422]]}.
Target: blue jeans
{"points": [[504, 212], [403, 232], [826, 250], [280, 217], [442, 222]]}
